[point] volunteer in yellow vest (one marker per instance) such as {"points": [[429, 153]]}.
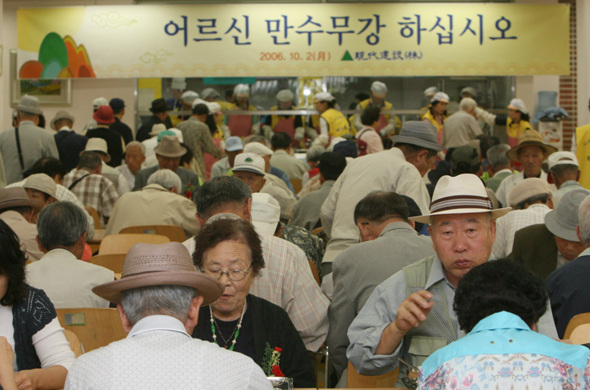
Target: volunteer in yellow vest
{"points": [[437, 112], [332, 122], [428, 95], [516, 122], [187, 99], [290, 124], [387, 123], [582, 148], [210, 95], [242, 125]]}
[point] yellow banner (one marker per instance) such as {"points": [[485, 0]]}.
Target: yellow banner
{"points": [[304, 40]]}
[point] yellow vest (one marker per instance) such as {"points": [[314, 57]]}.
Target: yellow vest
{"points": [[430, 118], [275, 118], [583, 154], [337, 122], [513, 130]]}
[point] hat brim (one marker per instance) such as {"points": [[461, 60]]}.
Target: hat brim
{"points": [[403, 139], [517, 109], [99, 151], [171, 155], [512, 154], [36, 205], [557, 229], [206, 286], [264, 228], [29, 110], [247, 169], [496, 213]]}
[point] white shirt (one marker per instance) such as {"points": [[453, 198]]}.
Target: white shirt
{"points": [[50, 343], [508, 184], [159, 354], [509, 224], [127, 174], [67, 281], [383, 171], [287, 281]]}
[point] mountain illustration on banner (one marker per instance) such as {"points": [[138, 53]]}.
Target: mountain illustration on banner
{"points": [[347, 56], [58, 59]]}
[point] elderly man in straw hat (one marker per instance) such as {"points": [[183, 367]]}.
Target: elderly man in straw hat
{"points": [[158, 298], [410, 314], [27, 143], [168, 153], [399, 169], [17, 210], [530, 152]]}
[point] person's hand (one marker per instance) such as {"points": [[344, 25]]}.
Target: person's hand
{"points": [[413, 311], [6, 365], [24, 381]]}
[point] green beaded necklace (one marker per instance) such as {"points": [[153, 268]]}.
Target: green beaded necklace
{"points": [[234, 335]]}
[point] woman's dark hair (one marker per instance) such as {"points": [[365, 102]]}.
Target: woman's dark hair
{"points": [[210, 121], [188, 156], [524, 117], [12, 264], [499, 285], [225, 230], [431, 108]]}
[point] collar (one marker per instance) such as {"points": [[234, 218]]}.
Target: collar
{"points": [[437, 273], [328, 183], [158, 322], [65, 128], [14, 215], [505, 170], [501, 320], [281, 151], [393, 226], [538, 176], [155, 187], [570, 183], [585, 252], [60, 253], [539, 206]]}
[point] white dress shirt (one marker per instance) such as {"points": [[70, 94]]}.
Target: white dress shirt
{"points": [[159, 354]]}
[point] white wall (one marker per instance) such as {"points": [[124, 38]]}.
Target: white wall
{"points": [[84, 91]]}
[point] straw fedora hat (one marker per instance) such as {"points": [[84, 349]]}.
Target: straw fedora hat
{"points": [[169, 146], [530, 137], [149, 265], [462, 194], [17, 197]]}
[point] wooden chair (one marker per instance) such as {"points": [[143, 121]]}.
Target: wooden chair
{"points": [[578, 329], [114, 262], [317, 231], [314, 271], [74, 342], [121, 243], [94, 327], [174, 233], [354, 380], [94, 214], [296, 183]]}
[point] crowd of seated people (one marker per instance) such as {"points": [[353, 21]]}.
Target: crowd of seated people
{"points": [[390, 245]]}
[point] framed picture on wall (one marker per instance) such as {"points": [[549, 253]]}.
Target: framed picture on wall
{"points": [[49, 92]]}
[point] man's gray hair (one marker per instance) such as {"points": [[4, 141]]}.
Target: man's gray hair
{"points": [[167, 179], [61, 224], [167, 300], [584, 220], [219, 192], [313, 154], [497, 155], [137, 144], [467, 104]]}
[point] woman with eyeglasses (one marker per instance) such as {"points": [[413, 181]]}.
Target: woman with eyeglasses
{"points": [[229, 250]]}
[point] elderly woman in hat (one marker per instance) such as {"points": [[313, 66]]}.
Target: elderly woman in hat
{"points": [[229, 250], [437, 112], [42, 353], [332, 122], [530, 152]]}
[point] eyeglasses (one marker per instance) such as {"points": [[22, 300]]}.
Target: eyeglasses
{"points": [[233, 274]]}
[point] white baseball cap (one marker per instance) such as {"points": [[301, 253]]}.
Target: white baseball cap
{"points": [[249, 162], [266, 213]]}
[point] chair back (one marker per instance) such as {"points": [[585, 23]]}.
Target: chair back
{"points": [[174, 233], [314, 271], [114, 262], [354, 380], [94, 327], [577, 321], [581, 335], [296, 183], [94, 214], [74, 342], [121, 243]]}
